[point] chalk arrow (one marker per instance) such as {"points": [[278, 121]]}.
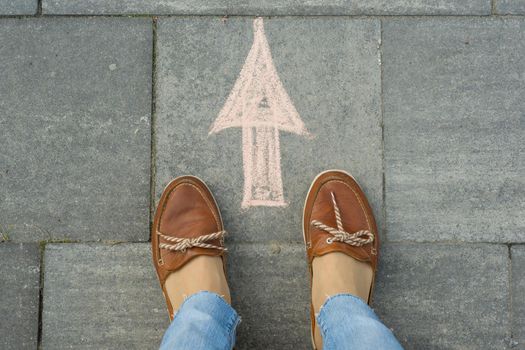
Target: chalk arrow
{"points": [[259, 104]]}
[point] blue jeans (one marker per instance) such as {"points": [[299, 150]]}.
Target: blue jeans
{"points": [[206, 322]]}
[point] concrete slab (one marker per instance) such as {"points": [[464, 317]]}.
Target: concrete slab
{"points": [[421, 7], [510, 7], [88, 306], [445, 296], [271, 293], [102, 297], [268, 7], [19, 291], [453, 99], [75, 128], [329, 68], [19, 7], [518, 295]]}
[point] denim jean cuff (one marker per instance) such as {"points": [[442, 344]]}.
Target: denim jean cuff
{"points": [[349, 320], [346, 299], [218, 307]]}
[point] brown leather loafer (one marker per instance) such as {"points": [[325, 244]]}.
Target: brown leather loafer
{"points": [[338, 218], [187, 224]]}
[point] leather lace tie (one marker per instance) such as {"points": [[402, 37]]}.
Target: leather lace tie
{"points": [[357, 239], [181, 244]]}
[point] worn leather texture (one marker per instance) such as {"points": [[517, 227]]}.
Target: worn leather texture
{"points": [[186, 209], [356, 215]]}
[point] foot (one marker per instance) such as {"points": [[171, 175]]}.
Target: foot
{"points": [[341, 239], [183, 282], [187, 243]]}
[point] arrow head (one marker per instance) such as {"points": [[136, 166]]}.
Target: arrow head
{"points": [[258, 97]]}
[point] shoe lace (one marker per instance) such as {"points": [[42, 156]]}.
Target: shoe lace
{"points": [[357, 239], [181, 244]]}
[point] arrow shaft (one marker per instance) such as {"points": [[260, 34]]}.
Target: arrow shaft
{"points": [[262, 167]]}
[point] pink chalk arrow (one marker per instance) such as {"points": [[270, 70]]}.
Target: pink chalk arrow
{"points": [[259, 104]]}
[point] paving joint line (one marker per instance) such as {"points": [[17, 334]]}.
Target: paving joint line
{"points": [[509, 286], [153, 143], [357, 16], [284, 242], [104, 242], [39, 9], [382, 111], [448, 242], [41, 250], [69, 241]]}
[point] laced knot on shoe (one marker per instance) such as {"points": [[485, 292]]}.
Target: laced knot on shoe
{"points": [[357, 239], [181, 244]]}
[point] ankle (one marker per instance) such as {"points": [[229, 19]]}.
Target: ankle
{"points": [[203, 273], [338, 273]]}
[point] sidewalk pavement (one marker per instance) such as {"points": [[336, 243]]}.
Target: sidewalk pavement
{"points": [[103, 102]]}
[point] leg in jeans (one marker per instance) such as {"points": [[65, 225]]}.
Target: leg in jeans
{"points": [[187, 242], [342, 242], [347, 322], [205, 321]]}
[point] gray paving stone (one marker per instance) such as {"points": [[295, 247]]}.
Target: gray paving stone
{"points": [[268, 7], [453, 100], [18, 7], [518, 295], [271, 293], [330, 69], [19, 295], [75, 128], [510, 7], [445, 296], [421, 7], [101, 297]]}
